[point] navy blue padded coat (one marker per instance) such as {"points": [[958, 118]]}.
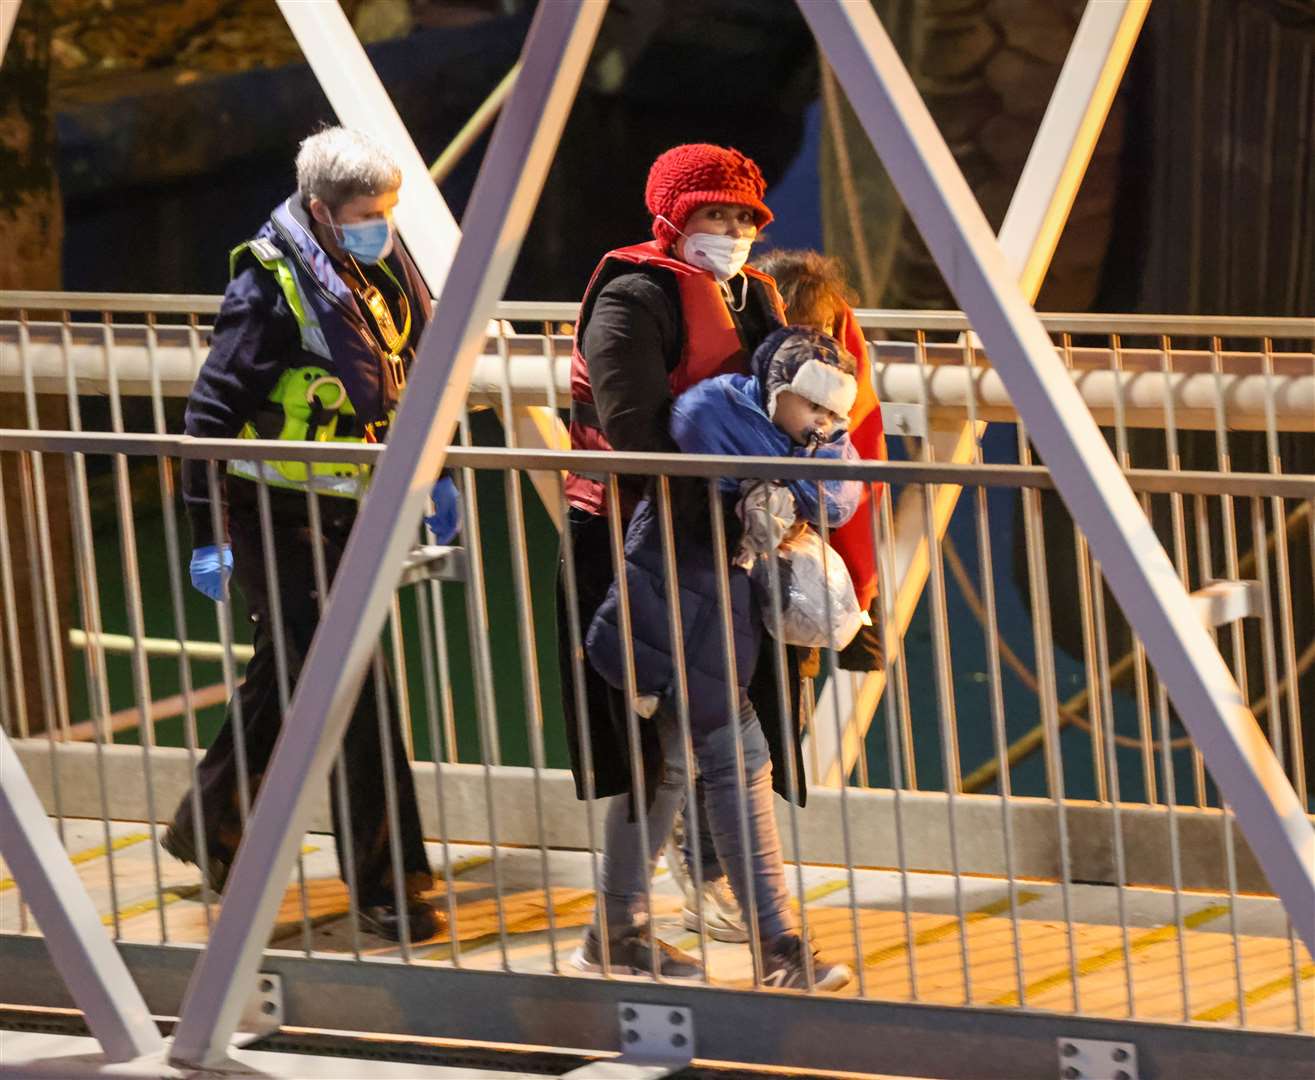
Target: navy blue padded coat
{"points": [[722, 415]]}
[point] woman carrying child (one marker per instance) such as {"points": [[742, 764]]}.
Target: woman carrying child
{"points": [[793, 404], [658, 318]]}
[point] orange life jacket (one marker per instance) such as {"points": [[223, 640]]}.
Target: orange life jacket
{"points": [[854, 540], [711, 347]]}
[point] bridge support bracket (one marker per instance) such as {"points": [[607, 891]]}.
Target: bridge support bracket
{"points": [[656, 1041], [1097, 1059]]}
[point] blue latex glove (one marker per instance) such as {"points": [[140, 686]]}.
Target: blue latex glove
{"points": [[211, 568], [445, 521]]}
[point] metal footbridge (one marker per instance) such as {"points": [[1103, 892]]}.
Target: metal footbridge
{"points": [[1066, 832]]}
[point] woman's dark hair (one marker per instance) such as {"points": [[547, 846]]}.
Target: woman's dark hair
{"points": [[812, 285]]}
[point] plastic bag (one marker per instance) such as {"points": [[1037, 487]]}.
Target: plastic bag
{"points": [[818, 606]]}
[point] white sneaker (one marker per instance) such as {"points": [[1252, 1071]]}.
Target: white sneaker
{"points": [[721, 912]]}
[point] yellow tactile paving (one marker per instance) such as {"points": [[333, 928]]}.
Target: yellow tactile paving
{"points": [[86, 855], [1039, 991], [996, 947]]}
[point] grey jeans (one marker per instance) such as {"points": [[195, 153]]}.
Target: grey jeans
{"points": [[628, 870]]}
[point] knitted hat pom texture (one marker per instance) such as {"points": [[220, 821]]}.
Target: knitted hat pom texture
{"points": [[686, 177]]}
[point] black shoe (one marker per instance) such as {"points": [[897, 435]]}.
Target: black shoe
{"points": [[784, 966], [423, 920], [631, 953], [178, 842]]}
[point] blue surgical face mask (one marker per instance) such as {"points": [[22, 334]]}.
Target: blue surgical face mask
{"points": [[368, 241]]}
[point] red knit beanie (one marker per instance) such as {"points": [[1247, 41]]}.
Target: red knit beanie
{"points": [[687, 177]]}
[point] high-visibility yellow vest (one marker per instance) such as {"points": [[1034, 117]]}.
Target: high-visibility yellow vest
{"points": [[312, 400]]}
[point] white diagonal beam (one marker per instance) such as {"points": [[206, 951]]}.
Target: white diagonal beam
{"points": [[351, 84], [1097, 495], [83, 953], [510, 180], [1033, 224]]}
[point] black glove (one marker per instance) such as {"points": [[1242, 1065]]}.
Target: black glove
{"points": [[865, 652]]}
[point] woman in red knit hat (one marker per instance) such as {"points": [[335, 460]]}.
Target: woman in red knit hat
{"points": [[656, 318]]}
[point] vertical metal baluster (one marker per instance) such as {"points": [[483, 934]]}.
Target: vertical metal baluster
{"points": [[1111, 757], [136, 615], [9, 597], [1170, 780], [947, 717], [94, 658], [428, 662], [340, 791], [676, 635], [1174, 462], [638, 792], [948, 713], [277, 633], [1139, 652], [504, 392], [788, 743], [1237, 635], [525, 631], [995, 685], [1048, 697], [194, 342], [1175, 854], [1260, 544], [383, 717], [7, 695], [721, 562], [173, 556], [400, 677], [1094, 711], [808, 712], [224, 623], [856, 926], [587, 781], [451, 751], [530, 684], [1206, 571], [1282, 571], [36, 519], [477, 606], [861, 758], [28, 463], [486, 708], [427, 648], [577, 664], [897, 714]]}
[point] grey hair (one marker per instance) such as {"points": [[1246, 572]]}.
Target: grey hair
{"points": [[338, 164]]}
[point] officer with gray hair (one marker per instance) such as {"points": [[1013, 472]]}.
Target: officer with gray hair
{"points": [[313, 342]]}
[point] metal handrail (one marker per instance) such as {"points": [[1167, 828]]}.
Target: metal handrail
{"points": [[868, 318], [1152, 481]]}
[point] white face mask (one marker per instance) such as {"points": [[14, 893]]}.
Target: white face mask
{"points": [[722, 256]]}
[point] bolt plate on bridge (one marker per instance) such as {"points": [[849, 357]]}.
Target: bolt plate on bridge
{"points": [[1097, 1059], [263, 1013], [900, 418], [656, 1041], [433, 562]]}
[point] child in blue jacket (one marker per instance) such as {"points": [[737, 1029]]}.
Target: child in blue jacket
{"points": [[793, 404]]}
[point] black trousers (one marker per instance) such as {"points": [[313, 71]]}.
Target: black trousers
{"points": [[262, 718]]}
